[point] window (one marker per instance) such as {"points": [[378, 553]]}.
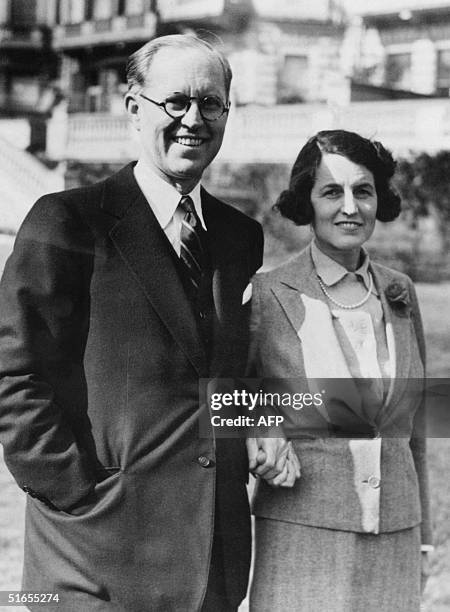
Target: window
{"points": [[89, 10], [293, 83], [71, 11], [134, 7], [398, 71], [25, 91], [103, 9], [443, 72], [23, 13], [4, 12]]}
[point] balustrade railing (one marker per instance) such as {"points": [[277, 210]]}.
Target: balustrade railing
{"points": [[276, 133], [98, 136]]}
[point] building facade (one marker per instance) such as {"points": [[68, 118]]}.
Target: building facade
{"points": [[281, 52], [28, 63], [407, 46]]}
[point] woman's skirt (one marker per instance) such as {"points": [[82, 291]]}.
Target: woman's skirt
{"points": [[311, 569]]}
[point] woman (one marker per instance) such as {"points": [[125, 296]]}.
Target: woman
{"points": [[348, 536]]}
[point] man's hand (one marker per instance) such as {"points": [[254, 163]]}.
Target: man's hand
{"points": [[291, 471], [273, 459]]}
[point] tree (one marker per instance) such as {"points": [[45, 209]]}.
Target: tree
{"points": [[424, 184]]}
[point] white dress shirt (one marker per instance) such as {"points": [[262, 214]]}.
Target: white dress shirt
{"points": [[163, 199]]}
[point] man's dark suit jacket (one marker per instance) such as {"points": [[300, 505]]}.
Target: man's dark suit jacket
{"points": [[100, 358]]}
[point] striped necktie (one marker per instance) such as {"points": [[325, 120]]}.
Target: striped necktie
{"points": [[192, 252]]}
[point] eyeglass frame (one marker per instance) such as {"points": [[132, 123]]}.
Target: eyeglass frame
{"points": [[189, 100]]}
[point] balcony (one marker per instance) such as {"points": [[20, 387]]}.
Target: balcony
{"points": [[104, 31], [22, 38], [382, 7], [99, 137], [273, 134]]}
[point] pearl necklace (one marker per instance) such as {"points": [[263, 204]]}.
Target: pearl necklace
{"points": [[348, 306]]}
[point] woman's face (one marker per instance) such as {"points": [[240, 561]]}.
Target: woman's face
{"points": [[344, 200]]}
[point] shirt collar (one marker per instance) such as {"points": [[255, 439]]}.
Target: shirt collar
{"points": [[162, 197], [331, 272]]}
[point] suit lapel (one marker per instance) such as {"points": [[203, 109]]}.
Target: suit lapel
{"points": [[230, 275], [398, 331], [228, 256], [302, 300], [145, 249], [297, 277]]}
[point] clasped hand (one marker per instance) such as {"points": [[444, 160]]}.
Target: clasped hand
{"points": [[273, 459]]}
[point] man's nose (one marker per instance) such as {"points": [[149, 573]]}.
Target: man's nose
{"points": [[193, 117], [349, 205]]}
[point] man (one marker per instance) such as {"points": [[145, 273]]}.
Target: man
{"points": [[117, 299]]}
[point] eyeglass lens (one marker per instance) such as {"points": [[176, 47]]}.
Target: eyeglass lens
{"points": [[211, 107]]}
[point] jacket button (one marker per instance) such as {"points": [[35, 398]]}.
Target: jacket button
{"points": [[374, 482], [204, 461], [202, 314]]}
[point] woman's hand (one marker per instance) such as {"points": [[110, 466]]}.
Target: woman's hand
{"points": [[291, 471], [273, 459]]}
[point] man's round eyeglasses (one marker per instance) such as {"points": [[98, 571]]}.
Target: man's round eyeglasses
{"points": [[211, 107]]}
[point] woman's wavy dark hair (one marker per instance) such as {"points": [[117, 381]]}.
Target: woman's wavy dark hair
{"points": [[295, 202]]}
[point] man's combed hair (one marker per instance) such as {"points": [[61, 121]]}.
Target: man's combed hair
{"points": [[295, 202], [140, 61]]}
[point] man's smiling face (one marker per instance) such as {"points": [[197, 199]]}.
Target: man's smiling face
{"points": [[180, 149]]}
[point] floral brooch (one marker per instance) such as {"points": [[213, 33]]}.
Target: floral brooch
{"points": [[397, 295]]}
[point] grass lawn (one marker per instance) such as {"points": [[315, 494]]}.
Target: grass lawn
{"points": [[435, 301]]}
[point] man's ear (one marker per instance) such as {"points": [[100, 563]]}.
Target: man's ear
{"points": [[132, 106]]}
